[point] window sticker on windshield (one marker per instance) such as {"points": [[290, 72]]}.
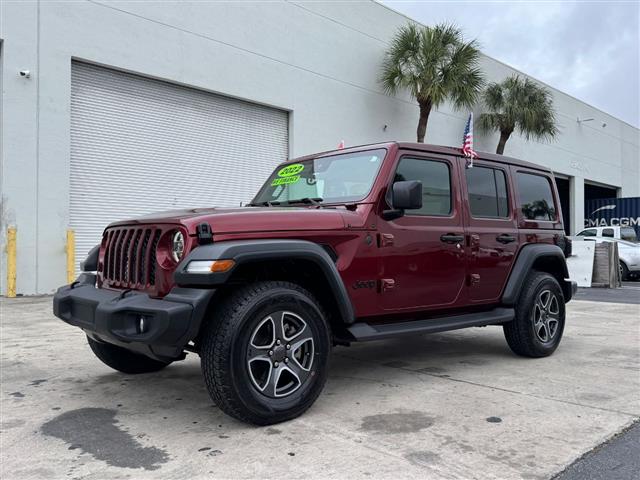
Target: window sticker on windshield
{"points": [[285, 180], [288, 174], [291, 170]]}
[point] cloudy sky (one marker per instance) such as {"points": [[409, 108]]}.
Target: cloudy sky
{"points": [[588, 49]]}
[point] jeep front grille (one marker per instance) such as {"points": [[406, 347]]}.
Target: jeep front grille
{"points": [[130, 257]]}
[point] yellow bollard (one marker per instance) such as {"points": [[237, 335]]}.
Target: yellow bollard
{"points": [[11, 262], [71, 256]]}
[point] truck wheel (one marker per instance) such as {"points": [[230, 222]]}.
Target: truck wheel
{"points": [[124, 360], [624, 271], [540, 313], [265, 352]]}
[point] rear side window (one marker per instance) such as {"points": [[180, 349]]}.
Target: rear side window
{"points": [[591, 232], [536, 199], [629, 234], [436, 184], [607, 232], [487, 192]]}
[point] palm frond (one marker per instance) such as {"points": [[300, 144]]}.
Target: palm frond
{"points": [[434, 64], [520, 104]]}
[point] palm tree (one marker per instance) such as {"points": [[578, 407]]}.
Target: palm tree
{"points": [[518, 103], [434, 64]]}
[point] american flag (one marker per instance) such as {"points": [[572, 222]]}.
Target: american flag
{"points": [[467, 142]]}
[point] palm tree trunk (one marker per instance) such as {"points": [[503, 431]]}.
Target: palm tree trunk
{"points": [[504, 136], [425, 110]]}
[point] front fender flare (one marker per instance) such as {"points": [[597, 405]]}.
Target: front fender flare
{"points": [[249, 251]]}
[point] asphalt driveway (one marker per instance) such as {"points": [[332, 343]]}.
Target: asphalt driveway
{"points": [[454, 405]]}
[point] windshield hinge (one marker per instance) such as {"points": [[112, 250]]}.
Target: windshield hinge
{"points": [[205, 235]]}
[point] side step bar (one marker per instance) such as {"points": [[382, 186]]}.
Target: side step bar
{"points": [[363, 331]]}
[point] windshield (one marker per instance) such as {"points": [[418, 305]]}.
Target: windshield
{"points": [[337, 178]]}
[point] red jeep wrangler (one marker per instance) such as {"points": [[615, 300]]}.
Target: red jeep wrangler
{"points": [[360, 244]]}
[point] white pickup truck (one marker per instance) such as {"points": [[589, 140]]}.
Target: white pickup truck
{"points": [[628, 246], [619, 233]]}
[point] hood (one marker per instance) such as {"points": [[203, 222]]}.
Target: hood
{"points": [[248, 219]]}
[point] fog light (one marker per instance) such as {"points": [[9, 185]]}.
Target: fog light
{"points": [[141, 324]]}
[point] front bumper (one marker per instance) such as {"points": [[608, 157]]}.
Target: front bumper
{"points": [[114, 316]]}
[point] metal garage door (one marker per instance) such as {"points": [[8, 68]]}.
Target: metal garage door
{"points": [[140, 145]]}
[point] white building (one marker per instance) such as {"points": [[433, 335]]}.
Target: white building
{"points": [[130, 107]]}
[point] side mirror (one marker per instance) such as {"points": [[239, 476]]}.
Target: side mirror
{"points": [[406, 195]]}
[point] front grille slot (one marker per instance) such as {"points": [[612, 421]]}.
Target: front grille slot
{"points": [[130, 257]]}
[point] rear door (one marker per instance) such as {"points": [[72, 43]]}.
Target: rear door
{"points": [[491, 229]]}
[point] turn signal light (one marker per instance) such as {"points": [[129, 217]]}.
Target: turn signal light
{"points": [[219, 266], [210, 266]]}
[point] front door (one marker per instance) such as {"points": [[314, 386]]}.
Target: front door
{"points": [[492, 233], [422, 252]]}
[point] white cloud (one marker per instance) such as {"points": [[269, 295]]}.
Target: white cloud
{"points": [[588, 49]]}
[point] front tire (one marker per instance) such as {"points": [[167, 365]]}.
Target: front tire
{"points": [[124, 360], [265, 353], [538, 325]]}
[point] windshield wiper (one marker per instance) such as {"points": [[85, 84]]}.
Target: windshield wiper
{"points": [[263, 204], [307, 200]]}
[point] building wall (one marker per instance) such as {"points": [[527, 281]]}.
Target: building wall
{"points": [[318, 60]]}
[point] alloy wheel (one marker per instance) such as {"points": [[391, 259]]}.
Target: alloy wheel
{"points": [[280, 354], [546, 316]]}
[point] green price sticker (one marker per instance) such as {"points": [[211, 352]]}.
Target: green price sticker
{"points": [[291, 170], [285, 180]]}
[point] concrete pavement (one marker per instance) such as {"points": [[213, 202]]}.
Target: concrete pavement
{"points": [[454, 405]]}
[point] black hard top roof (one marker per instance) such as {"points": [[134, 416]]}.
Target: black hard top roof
{"points": [[441, 149]]}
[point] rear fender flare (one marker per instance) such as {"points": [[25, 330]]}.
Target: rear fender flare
{"points": [[524, 263]]}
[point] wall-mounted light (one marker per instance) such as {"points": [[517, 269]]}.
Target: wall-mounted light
{"points": [[25, 73]]}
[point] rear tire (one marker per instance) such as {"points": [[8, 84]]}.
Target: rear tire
{"points": [[265, 352], [624, 271], [538, 325], [124, 360]]}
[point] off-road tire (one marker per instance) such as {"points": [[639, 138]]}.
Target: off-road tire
{"points": [[520, 332], [225, 346], [124, 360]]}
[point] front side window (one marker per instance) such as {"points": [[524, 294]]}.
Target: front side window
{"points": [[436, 184], [590, 232], [337, 178], [487, 192], [607, 232], [536, 198]]}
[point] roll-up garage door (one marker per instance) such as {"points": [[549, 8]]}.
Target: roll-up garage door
{"points": [[140, 145]]}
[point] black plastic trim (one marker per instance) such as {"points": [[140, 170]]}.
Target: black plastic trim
{"points": [[248, 251], [90, 263], [524, 263], [363, 332], [112, 316]]}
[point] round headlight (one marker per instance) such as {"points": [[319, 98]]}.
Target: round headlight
{"points": [[177, 246]]}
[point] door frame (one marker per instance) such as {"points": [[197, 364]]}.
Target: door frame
{"points": [[456, 214]]}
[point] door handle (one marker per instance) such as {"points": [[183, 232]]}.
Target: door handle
{"points": [[451, 238], [504, 238]]}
